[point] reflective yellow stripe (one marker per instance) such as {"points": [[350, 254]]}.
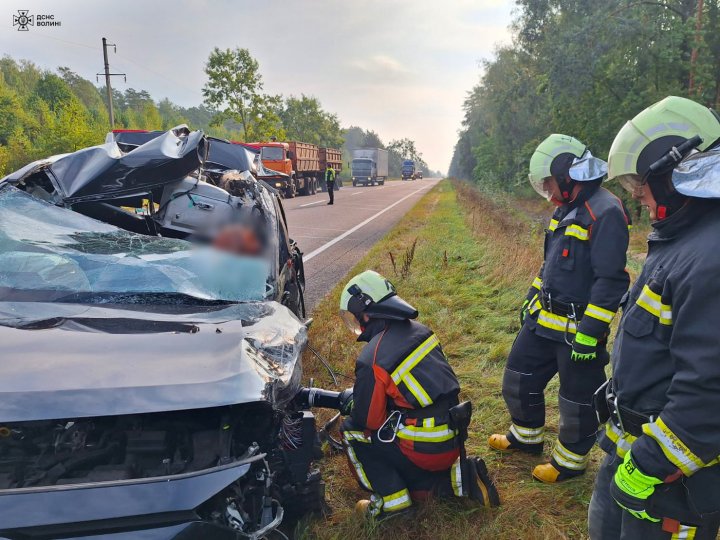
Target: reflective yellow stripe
{"points": [[623, 441], [568, 459], [358, 468], [577, 231], [528, 435], [428, 422], [553, 225], [356, 436], [456, 479], [412, 360], [417, 390], [537, 283], [556, 322], [673, 448], [397, 501], [426, 434], [534, 304], [651, 302], [404, 369], [601, 314], [685, 533]]}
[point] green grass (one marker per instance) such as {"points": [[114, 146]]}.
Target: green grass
{"points": [[473, 264]]}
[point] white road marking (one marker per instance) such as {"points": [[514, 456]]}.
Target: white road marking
{"points": [[347, 233], [359, 193], [317, 228], [311, 203]]}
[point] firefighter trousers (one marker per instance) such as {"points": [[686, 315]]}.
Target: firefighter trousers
{"points": [[607, 521], [382, 469], [532, 362], [331, 190]]}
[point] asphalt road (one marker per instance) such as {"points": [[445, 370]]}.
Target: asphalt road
{"points": [[334, 238]]}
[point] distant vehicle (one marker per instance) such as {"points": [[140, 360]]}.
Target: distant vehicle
{"points": [[419, 175], [300, 165], [369, 166], [408, 170]]}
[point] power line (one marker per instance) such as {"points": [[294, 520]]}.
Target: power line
{"points": [[105, 45]]}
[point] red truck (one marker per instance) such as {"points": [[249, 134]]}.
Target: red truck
{"points": [[303, 163]]}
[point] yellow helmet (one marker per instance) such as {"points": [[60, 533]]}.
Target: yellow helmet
{"points": [[372, 294], [553, 157]]}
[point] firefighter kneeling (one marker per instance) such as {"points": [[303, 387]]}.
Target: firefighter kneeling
{"points": [[400, 439]]}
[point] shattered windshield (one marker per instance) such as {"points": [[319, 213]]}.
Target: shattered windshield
{"points": [[50, 254]]}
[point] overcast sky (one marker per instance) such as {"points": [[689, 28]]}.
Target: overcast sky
{"points": [[399, 67]]}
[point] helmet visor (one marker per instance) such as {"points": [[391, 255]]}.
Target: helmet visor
{"points": [[588, 168], [542, 185], [699, 175], [632, 183], [351, 321]]}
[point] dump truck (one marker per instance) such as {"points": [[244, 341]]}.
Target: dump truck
{"points": [[333, 158], [408, 170], [302, 165], [298, 160], [369, 166]]}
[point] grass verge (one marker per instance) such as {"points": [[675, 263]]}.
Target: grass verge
{"points": [[472, 263]]}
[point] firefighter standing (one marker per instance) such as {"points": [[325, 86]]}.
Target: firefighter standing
{"points": [[397, 437], [330, 182], [568, 310], [663, 433]]}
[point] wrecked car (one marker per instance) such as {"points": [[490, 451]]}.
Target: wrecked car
{"points": [[148, 382], [170, 184]]}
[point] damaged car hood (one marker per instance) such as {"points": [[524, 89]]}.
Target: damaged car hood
{"points": [[105, 171], [78, 360]]}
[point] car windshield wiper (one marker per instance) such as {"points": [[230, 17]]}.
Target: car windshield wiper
{"points": [[163, 298]]}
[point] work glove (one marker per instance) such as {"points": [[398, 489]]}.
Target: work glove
{"points": [[346, 402], [524, 311], [584, 348], [631, 488]]}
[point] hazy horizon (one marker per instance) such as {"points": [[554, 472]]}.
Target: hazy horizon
{"points": [[398, 67]]}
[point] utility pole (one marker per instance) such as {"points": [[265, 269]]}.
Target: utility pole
{"points": [[107, 79]]}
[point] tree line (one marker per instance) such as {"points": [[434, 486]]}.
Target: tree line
{"points": [[583, 68], [43, 113]]}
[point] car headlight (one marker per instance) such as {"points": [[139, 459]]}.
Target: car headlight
{"points": [[278, 184]]}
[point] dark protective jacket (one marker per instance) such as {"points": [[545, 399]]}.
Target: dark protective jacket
{"points": [[403, 368], [584, 264], [329, 174], [666, 357]]}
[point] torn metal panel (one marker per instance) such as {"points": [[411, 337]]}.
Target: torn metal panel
{"points": [[104, 171]]}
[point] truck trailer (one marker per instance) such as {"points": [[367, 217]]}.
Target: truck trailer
{"points": [[302, 165], [369, 166]]}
